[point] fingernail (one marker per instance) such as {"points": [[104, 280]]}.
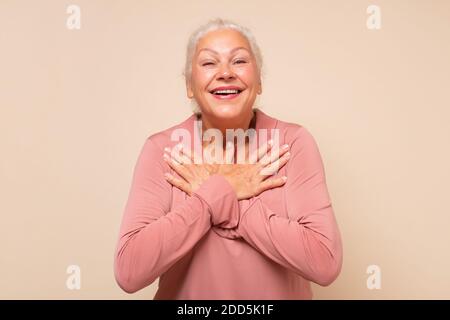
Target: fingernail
{"points": [[167, 149], [166, 157], [270, 142], [284, 146], [284, 178], [287, 154]]}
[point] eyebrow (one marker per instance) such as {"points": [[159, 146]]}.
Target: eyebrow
{"points": [[215, 52]]}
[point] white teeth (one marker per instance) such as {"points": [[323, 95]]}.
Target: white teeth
{"points": [[226, 91]]}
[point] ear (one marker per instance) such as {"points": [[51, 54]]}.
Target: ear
{"points": [[259, 88], [189, 91]]}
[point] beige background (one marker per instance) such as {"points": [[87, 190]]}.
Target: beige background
{"points": [[76, 107]]}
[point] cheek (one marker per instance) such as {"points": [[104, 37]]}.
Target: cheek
{"points": [[248, 75], [201, 79]]}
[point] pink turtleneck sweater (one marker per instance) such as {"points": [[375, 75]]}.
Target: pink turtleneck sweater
{"points": [[212, 246]]}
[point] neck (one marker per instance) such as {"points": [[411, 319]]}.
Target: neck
{"points": [[244, 123], [249, 121]]}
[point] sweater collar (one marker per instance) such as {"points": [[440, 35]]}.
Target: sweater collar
{"points": [[263, 121]]}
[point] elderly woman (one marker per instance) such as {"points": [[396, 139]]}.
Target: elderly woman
{"points": [[226, 230]]}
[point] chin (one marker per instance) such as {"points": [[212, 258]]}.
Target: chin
{"points": [[227, 111]]}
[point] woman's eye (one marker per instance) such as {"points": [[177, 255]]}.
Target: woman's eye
{"points": [[240, 61], [207, 64]]}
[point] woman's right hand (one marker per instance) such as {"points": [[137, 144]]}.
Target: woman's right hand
{"points": [[247, 180]]}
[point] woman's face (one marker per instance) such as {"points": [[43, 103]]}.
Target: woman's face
{"points": [[225, 79]]}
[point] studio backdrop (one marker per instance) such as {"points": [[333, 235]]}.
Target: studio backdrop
{"points": [[83, 83]]}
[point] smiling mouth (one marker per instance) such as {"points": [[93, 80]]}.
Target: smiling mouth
{"points": [[226, 94]]}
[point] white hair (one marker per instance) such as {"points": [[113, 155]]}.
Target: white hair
{"points": [[213, 25]]}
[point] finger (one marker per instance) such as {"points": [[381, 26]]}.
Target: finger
{"points": [[271, 184], [180, 184], [177, 154], [180, 152], [275, 153], [255, 156], [170, 161], [276, 165], [176, 166], [229, 152], [208, 157], [192, 156]]}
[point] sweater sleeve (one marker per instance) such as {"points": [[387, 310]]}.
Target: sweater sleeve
{"points": [[223, 202], [308, 241], [154, 236]]}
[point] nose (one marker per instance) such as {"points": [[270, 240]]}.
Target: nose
{"points": [[225, 73]]}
